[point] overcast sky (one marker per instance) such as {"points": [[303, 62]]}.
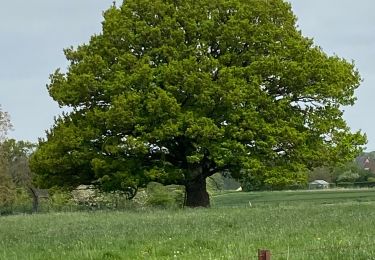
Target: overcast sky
{"points": [[34, 33]]}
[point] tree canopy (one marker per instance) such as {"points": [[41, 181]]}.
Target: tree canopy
{"points": [[6, 184], [175, 91], [5, 124], [17, 154]]}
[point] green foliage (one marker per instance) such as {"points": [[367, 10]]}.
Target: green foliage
{"points": [[348, 176], [349, 172], [215, 183], [162, 196], [88, 197], [7, 196], [172, 91], [22, 202], [220, 182], [322, 173], [5, 124], [15, 175], [16, 154], [6, 184], [59, 200]]}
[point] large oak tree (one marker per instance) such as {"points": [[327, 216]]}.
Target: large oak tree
{"points": [[177, 90]]}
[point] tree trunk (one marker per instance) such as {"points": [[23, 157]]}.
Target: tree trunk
{"points": [[196, 193]]}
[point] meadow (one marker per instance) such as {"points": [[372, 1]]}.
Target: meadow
{"points": [[293, 225]]}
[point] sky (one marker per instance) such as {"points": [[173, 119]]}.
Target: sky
{"points": [[34, 34]]}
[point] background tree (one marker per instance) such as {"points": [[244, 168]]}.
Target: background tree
{"points": [[6, 183], [5, 124], [16, 155], [322, 173], [14, 166], [350, 172], [175, 91], [347, 172]]}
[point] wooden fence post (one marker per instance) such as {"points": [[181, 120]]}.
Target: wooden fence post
{"points": [[264, 254]]}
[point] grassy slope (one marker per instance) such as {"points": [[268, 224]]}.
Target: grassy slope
{"points": [[340, 229], [235, 199]]}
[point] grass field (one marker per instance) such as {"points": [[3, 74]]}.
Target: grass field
{"points": [[236, 199], [293, 225]]}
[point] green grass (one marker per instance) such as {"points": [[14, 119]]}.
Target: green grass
{"points": [[235, 199], [310, 225]]}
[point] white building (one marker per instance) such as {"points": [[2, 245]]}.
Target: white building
{"points": [[318, 184]]}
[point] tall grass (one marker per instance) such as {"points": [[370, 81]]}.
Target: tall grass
{"points": [[298, 230]]}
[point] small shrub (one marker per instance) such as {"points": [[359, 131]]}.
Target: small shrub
{"points": [[215, 183], [22, 201], [60, 200], [7, 198], [178, 193], [85, 196], [111, 200], [159, 196], [7, 189], [89, 197], [140, 199], [164, 196]]}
